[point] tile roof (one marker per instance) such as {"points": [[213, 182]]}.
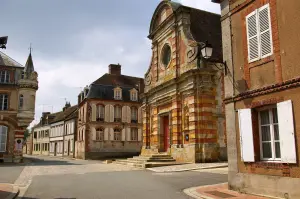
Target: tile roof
{"points": [[5, 60], [62, 115], [103, 87]]}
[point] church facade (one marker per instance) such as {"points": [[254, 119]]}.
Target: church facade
{"points": [[18, 86], [183, 113]]}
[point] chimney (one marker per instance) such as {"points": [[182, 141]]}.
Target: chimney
{"points": [[44, 115], [68, 105], [114, 69]]}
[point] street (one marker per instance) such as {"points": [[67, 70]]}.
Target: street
{"points": [[52, 177]]}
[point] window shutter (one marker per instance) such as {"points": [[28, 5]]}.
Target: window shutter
{"points": [[111, 134], [128, 133], [124, 112], [94, 110], [265, 31], [128, 114], [140, 135], [3, 138], [246, 135], [106, 134], [111, 113], [252, 37], [286, 132], [140, 115], [107, 111], [123, 134], [93, 131]]}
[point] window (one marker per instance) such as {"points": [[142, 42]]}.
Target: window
{"points": [[166, 55], [134, 134], [3, 138], [4, 76], [99, 134], [3, 102], [100, 113], [269, 134], [134, 96], [134, 112], [117, 134], [21, 101], [118, 113], [118, 93], [22, 75], [259, 34]]}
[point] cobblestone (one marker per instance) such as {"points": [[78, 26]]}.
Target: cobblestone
{"points": [[188, 167]]}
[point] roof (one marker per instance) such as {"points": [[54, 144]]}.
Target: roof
{"points": [[29, 68], [62, 115], [204, 26], [103, 87], [5, 60], [72, 115]]}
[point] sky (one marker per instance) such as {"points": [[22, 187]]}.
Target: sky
{"points": [[74, 41]]}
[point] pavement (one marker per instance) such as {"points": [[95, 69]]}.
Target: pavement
{"points": [[217, 191], [8, 191], [188, 167]]}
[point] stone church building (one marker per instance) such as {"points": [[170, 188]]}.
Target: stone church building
{"points": [[182, 102]]}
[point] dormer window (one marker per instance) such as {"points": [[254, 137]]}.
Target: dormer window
{"points": [[4, 76], [118, 93], [133, 95]]}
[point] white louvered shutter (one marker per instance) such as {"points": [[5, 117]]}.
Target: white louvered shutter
{"points": [[286, 132], [94, 111], [252, 37], [111, 134], [93, 131], [111, 113], [128, 133], [128, 114], [140, 134], [106, 134], [246, 135], [3, 138], [123, 134], [107, 111], [124, 112], [265, 31], [140, 115]]}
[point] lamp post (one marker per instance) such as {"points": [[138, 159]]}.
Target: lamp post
{"points": [[206, 52], [3, 42]]}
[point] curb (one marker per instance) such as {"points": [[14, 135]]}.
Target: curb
{"points": [[181, 170], [14, 192], [194, 194]]}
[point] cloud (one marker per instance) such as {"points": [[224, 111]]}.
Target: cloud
{"points": [[206, 5]]}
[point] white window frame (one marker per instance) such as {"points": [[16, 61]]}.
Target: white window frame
{"points": [[117, 134], [6, 76], [132, 132], [133, 95], [100, 112], [1, 136], [99, 134], [2, 102], [270, 112], [116, 108], [256, 13], [118, 93], [132, 113]]}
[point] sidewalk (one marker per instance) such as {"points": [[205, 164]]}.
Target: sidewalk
{"points": [[8, 191], [217, 191], [188, 167]]}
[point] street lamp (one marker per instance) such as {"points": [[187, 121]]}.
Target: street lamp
{"points": [[206, 52], [3, 42]]}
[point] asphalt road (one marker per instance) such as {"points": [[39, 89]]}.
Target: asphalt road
{"points": [[9, 172], [119, 184]]}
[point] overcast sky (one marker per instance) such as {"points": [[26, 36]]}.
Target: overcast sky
{"points": [[75, 41]]}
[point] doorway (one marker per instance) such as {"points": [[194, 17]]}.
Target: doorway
{"points": [[55, 148], [166, 132]]}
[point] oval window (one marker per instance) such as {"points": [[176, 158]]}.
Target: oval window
{"points": [[166, 55]]}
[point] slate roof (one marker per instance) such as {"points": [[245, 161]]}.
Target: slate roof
{"points": [[5, 60], [72, 115], [29, 68], [103, 87], [62, 115]]}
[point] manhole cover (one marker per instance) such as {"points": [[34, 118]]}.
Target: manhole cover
{"points": [[220, 194]]}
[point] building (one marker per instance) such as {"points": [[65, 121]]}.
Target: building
{"points": [[27, 146], [109, 116], [18, 86], [70, 133], [261, 48], [58, 130], [182, 102], [40, 135]]}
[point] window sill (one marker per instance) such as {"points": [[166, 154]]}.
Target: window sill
{"points": [[261, 61]]}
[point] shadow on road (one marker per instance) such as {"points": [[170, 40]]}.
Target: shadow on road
{"points": [[48, 162]]}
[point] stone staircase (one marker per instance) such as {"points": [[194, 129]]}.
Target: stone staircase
{"points": [[154, 160]]}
